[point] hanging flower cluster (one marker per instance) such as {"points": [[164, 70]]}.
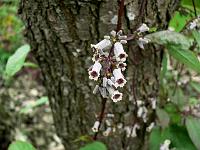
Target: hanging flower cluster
{"points": [[109, 64]]}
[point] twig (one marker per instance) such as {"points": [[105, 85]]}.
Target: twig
{"points": [[101, 116], [194, 6]]}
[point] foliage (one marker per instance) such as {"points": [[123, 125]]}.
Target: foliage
{"points": [[20, 145], [41, 101], [193, 127], [94, 146], [178, 47], [176, 134], [16, 61], [10, 34]]}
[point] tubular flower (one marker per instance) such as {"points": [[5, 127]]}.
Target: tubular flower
{"points": [[95, 71], [102, 44], [119, 52], [115, 94], [119, 78], [143, 28]]}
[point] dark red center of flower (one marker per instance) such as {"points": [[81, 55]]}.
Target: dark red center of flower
{"points": [[121, 65], [116, 96], [120, 81], [94, 74], [122, 56]]}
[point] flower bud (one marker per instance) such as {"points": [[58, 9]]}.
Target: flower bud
{"points": [[143, 28], [102, 44]]}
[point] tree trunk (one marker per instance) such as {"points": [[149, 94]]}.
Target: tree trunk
{"points": [[60, 34]]}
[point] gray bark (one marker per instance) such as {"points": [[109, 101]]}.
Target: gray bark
{"points": [[60, 34]]}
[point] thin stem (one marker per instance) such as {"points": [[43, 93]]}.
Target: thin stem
{"points": [[120, 14], [194, 6], [101, 116]]}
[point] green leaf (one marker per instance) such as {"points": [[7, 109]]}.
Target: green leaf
{"points": [[178, 97], [172, 111], [16, 61], [94, 146], [188, 4], [41, 101], [196, 86], [179, 21], [163, 117], [185, 56], [193, 128], [167, 38], [19, 145], [196, 35], [155, 139], [176, 134]]}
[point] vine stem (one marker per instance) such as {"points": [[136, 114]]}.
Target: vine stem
{"points": [[104, 100], [101, 116]]}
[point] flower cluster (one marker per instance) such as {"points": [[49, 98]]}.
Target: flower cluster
{"points": [[109, 64], [165, 145], [195, 24]]}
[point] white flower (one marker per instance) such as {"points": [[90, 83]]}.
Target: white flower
{"points": [[111, 83], [140, 112], [193, 25], [123, 41], [96, 89], [143, 28], [95, 128], [102, 44], [119, 78], [150, 127], [122, 66], [95, 71], [139, 103], [119, 52], [142, 41], [103, 92], [119, 32], [131, 131], [105, 81], [115, 94], [153, 103], [128, 131], [166, 144], [110, 115], [123, 37], [135, 127], [107, 37], [107, 132], [108, 122], [113, 33]]}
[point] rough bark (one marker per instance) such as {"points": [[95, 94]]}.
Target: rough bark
{"points": [[60, 33]]}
